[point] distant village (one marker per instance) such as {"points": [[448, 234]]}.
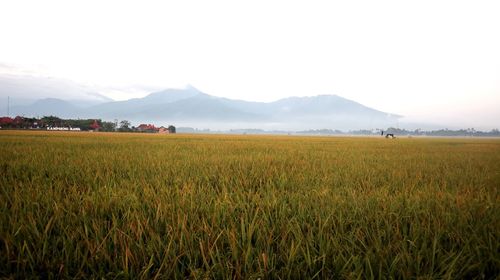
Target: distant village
{"points": [[53, 123]]}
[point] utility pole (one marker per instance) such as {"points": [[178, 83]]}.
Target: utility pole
{"points": [[8, 106]]}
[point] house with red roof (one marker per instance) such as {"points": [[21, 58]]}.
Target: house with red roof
{"points": [[95, 126], [6, 121], [147, 128]]}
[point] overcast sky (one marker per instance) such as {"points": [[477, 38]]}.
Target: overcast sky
{"points": [[428, 60]]}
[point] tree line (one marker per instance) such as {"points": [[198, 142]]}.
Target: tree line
{"points": [[53, 121], [406, 132]]}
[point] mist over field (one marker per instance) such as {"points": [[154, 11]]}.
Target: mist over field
{"points": [[37, 96], [188, 106]]}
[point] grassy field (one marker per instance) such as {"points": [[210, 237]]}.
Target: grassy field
{"points": [[245, 207]]}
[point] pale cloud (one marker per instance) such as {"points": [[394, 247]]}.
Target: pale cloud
{"points": [[424, 59]]}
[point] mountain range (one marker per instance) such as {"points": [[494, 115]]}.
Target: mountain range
{"points": [[191, 107]]}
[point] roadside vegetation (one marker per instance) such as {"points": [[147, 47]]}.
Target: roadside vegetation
{"points": [[84, 205]]}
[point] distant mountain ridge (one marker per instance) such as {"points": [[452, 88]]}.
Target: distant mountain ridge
{"points": [[191, 107], [26, 89]]}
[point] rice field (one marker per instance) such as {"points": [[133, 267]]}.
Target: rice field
{"points": [[140, 206]]}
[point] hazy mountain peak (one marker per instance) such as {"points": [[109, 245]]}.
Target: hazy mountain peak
{"points": [[188, 106], [46, 107], [26, 89], [173, 94], [190, 87], [315, 97], [52, 101]]}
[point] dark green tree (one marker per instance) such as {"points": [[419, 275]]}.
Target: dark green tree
{"points": [[108, 126], [124, 126]]}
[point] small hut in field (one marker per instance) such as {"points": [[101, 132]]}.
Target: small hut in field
{"points": [[166, 130], [163, 130]]}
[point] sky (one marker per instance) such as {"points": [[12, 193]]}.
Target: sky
{"points": [[436, 61]]}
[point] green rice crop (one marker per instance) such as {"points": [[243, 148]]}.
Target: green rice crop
{"points": [[104, 205]]}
